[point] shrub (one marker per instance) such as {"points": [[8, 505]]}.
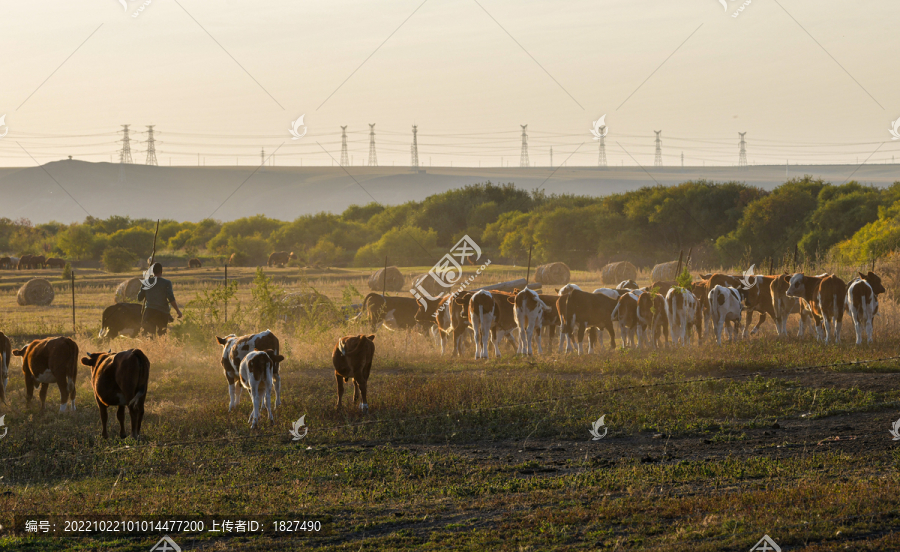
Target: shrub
{"points": [[67, 272], [118, 259]]}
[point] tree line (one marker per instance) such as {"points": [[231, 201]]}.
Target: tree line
{"points": [[724, 224]]}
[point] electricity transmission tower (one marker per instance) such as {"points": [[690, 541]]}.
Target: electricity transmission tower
{"points": [[151, 147], [414, 151], [523, 158], [125, 152], [658, 159], [742, 158], [373, 159], [344, 160], [551, 156], [601, 158], [262, 159]]}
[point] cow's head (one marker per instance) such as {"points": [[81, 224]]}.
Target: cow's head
{"points": [[627, 284], [351, 344], [874, 281], [797, 285], [93, 360]]}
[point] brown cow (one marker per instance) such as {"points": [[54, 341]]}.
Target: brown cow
{"points": [[5, 355], [825, 295], [38, 261], [24, 262], [231, 259], [631, 327], [53, 262], [352, 358], [257, 373], [5, 262], [453, 320], [662, 287], [280, 258], [659, 326], [783, 306], [862, 302], [120, 379], [194, 263], [50, 360], [583, 310], [395, 313]]}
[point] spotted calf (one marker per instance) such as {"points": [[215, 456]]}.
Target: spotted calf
{"points": [[257, 372], [234, 349]]}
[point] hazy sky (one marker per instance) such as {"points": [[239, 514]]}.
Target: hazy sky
{"points": [[810, 81]]}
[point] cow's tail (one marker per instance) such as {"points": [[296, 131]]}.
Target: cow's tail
{"points": [[143, 377]]}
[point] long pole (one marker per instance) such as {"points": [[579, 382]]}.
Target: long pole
{"points": [[384, 279], [528, 272], [153, 255], [226, 292], [73, 301]]}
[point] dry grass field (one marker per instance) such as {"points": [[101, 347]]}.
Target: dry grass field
{"points": [[708, 448]]}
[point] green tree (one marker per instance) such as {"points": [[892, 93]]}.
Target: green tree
{"points": [[118, 259], [136, 240], [407, 246]]}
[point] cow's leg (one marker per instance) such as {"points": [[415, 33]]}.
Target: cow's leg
{"points": [[857, 323], [231, 392], [361, 385], [29, 388], [719, 327], [104, 416], [120, 415], [43, 395], [63, 394], [540, 330], [340, 388], [746, 333], [269, 400], [139, 416]]}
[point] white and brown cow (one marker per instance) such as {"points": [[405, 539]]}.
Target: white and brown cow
{"points": [[120, 379], [50, 360], [352, 359], [682, 310], [563, 295], [5, 355], [726, 306], [529, 309], [257, 375], [482, 318], [234, 349], [862, 304], [825, 294]]}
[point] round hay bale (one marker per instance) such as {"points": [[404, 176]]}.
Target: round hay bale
{"points": [[127, 291], [556, 274], [613, 273], [664, 272], [430, 285], [394, 280], [35, 292]]}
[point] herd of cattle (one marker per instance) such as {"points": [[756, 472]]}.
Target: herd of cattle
{"points": [[650, 316], [30, 262], [120, 380]]}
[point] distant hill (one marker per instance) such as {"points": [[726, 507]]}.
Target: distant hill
{"points": [[194, 193]]}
